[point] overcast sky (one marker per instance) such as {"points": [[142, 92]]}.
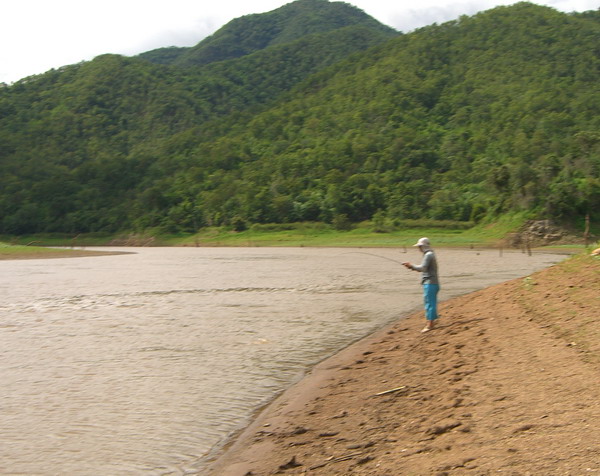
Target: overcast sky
{"points": [[37, 35]]}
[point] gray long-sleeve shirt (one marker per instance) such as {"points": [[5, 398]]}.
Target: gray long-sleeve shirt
{"points": [[429, 268]]}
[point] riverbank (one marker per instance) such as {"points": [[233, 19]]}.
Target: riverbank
{"points": [[34, 252], [500, 234], [507, 383]]}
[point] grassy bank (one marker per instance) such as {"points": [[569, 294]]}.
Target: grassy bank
{"points": [[368, 234], [405, 233], [9, 251], [302, 234], [16, 252], [311, 235]]}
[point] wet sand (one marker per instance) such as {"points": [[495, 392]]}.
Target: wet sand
{"points": [[508, 384]]}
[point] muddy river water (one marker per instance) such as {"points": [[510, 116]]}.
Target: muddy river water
{"points": [[142, 363]]}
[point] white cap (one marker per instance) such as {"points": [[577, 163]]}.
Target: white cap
{"points": [[423, 242]]}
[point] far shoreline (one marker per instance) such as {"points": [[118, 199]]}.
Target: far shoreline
{"points": [[24, 253], [29, 253], [509, 232]]}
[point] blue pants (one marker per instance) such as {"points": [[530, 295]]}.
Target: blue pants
{"points": [[430, 292]]}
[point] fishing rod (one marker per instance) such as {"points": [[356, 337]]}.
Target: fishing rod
{"points": [[373, 254]]}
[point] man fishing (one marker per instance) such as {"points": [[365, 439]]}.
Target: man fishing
{"points": [[429, 280]]}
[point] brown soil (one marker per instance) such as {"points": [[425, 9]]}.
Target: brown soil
{"points": [[508, 384]]}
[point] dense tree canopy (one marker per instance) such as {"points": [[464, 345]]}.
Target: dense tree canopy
{"points": [[473, 118]]}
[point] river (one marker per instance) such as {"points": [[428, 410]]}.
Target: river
{"points": [[143, 363]]}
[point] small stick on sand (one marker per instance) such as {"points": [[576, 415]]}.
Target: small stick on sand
{"points": [[397, 389]]}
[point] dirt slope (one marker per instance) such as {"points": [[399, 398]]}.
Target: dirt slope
{"points": [[508, 384]]}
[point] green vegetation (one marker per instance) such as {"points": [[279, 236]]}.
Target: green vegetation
{"points": [[318, 234], [29, 252], [314, 113], [368, 234]]}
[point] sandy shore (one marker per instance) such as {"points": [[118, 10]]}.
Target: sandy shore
{"points": [[508, 384]]}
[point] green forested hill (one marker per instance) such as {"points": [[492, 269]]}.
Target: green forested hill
{"points": [[477, 117], [252, 33], [76, 143]]}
